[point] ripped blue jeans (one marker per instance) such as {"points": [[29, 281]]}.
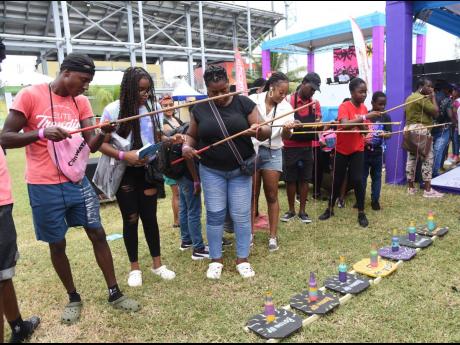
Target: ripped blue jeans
{"points": [[227, 190]]}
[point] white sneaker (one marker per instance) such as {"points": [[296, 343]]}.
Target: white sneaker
{"points": [[273, 244], [245, 270], [214, 270], [432, 194], [135, 278], [164, 273]]}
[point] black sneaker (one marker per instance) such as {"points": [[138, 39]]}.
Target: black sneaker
{"points": [[226, 242], [317, 196], [376, 206], [327, 214], [341, 203], [362, 220], [185, 246], [200, 254], [288, 216], [304, 218], [27, 329]]}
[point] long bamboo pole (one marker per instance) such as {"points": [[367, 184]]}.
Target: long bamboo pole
{"points": [[135, 117], [245, 131]]}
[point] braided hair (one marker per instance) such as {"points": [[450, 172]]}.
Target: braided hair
{"points": [[275, 79], [129, 106], [214, 74]]}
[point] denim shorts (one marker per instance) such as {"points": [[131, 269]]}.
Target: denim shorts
{"points": [[270, 159], [9, 254], [57, 207]]}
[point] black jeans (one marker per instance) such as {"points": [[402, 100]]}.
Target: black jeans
{"points": [[135, 200], [355, 164]]}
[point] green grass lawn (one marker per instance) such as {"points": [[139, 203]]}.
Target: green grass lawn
{"points": [[416, 304]]}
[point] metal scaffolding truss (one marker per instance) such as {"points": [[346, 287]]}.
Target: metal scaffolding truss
{"points": [[124, 30]]}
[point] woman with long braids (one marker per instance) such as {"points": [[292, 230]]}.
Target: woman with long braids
{"points": [[272, 102], [136, 197], [224, 169]]}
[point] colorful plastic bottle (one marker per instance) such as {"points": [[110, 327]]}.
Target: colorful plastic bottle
{"points": [[269, 308], [431, 223], [374, 256], [395, 242], [312, 289], [412, 231], [343, 270]]}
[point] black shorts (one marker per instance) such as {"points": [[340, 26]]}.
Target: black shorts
{"points": [[297, 163], [9, 254]]}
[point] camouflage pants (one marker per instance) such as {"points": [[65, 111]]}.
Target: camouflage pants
{"points": [[412, 160]]}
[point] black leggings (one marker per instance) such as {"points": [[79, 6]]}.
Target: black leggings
{"points": [[355, 164], [134, 203]]}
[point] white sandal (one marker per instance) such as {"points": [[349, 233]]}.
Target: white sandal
{"points": [[164, 273], [214, 271], [135, 278], [245, 270]]}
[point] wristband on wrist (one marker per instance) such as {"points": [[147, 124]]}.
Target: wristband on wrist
{"points": [[41, 134], [186, 146], [121, 155]]}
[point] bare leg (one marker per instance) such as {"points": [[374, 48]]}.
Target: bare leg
{"points": [[103, 255], [10, 302], [271, 180], [61, 265], [291, 192], [303, 196]]}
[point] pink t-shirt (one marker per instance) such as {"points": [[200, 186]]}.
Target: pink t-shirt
{"points": [[5, 182], [34, 102]]}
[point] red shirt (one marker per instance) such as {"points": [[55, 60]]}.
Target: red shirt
{"points": [[349, 143], [303, 113]]}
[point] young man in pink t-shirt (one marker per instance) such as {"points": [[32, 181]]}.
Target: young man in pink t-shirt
{"points": [[20, 330], [46, 112]]}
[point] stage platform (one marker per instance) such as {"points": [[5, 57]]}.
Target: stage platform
{"points": [[448, 182]]}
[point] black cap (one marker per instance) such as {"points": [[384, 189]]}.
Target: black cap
{"points": [[313, 79], [78, 63]]}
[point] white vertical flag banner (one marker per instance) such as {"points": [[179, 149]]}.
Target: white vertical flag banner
{"points": [[361, 55]]}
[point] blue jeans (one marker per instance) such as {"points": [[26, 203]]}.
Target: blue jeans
{"points": [[374, 163], [455, 144], [227, 190], [190, 214], [440, 143]]}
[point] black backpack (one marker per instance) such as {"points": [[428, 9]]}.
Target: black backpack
{"points": [[169, 153]]}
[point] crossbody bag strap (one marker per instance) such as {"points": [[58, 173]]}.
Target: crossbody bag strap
{"points": [[225, 133]]}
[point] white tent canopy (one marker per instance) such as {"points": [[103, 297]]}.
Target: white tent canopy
{"points": [[183, 90], [24, 79]]}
